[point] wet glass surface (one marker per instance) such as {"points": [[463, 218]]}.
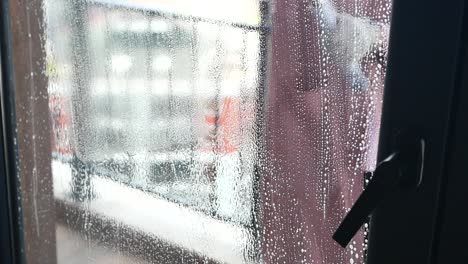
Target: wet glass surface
{"points": [[323, 112], [211, 132], [153, 101]]}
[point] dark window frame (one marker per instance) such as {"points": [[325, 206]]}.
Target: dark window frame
{"points": [[420, 90]]}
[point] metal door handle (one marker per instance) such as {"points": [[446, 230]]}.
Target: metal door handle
{"points": [[402, 169]]}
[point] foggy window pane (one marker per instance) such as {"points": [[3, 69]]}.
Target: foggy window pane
{"points": [[212, 131]]}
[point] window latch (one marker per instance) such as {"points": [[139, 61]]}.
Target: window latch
{"points": [[401, 170]]}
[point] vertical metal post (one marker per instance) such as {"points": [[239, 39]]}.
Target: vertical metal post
{"points": [[264, 46], [80, 99]]}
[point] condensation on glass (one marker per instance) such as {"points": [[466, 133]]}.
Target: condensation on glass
{"points": [[211, 131], [324, 94]]}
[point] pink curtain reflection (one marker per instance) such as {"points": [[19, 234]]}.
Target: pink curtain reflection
{"points": [[322, 124]]}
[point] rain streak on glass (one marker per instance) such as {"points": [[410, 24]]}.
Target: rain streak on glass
{"points": [[211, 131]]}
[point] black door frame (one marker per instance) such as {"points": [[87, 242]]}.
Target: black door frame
{"points": [[451, 231], [10, 242], [420, 88]]}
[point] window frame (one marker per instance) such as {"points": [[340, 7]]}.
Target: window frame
{"points": [[21, 81], [424, 46], [451, 230]]}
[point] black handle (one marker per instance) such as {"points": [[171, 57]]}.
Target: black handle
{"points": [[402, 169]]}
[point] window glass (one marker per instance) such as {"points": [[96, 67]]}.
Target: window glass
{"points": [[209, 131], [326, 74], [154, 103]]}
